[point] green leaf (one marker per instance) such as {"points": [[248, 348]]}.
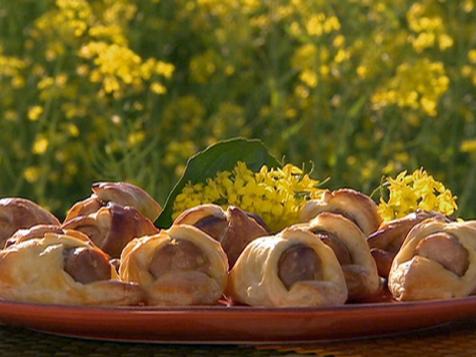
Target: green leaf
{"points": [[221, 156]]}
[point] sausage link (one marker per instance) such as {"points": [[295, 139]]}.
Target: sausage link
{"points": [[298, 263], [86, 265]]}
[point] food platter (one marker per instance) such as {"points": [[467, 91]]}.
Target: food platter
{"points": [[236, 324]]}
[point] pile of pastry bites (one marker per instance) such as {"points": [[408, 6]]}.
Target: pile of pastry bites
{"points": [[108, 252]]}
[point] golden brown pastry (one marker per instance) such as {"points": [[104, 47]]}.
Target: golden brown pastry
{"points": [[349, 203], [386, 241], [351, 249], [18, 213], [112, 227], [180, 266], [121, 193], [39, 231], [292, 268], [62, 269], [436, 261], [234, 229]]}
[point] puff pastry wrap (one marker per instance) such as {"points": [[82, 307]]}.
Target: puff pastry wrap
{"points": [[34, 271], [352, 204], [179, 266], [350, 247], [414, 276], [112, 227], [386, 241], [255, 279], [233, 228], [39, 231], [18, 213], [121, 193]]}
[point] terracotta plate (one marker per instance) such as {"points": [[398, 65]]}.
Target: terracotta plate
{"points": [[236, 324]]}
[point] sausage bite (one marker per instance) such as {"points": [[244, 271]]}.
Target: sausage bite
{"points": [[214, 226], [339, 248], [86, 265], [178, 255], [298, 263]]}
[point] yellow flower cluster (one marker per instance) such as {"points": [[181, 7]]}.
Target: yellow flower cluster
{"points": [[71, 19], [316, 60], [429, 29], [11, 67], [469, 70], [277, 195], [416, 85], [118, 67], [468, 146], [419, 190]]}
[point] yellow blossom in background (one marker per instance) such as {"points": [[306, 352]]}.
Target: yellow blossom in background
{"points": [[429, 28], [35, 112], [416, 85], [165, 69], [468, 145], [40, 145], [309, 77], [277, 195], [118, 67], [135, 138], [419, 190], [32, 174], [158, 88]]}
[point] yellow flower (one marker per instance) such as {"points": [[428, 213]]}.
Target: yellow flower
{"points": [[407, 193], [158, 88], [417, 86], [468, 145], [309, 77], [118, 68], [35, 112], [32, 174], [277, 195], [135, 138], [40, 145], [165, 69]]}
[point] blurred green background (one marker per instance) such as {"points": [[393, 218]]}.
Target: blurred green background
{"points": [[129, 89]]}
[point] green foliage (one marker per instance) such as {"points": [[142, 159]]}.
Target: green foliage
{"points": [[129, 89]]}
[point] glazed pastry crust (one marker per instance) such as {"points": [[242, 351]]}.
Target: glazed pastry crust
{"points": [[19, 213], [387, 240], [39, 231], [357, 206], [240, 227], [32, 271], [414, 277], [254, 279], [112, 227], [176, 288], [193, 215], [121, 193], [361, 276]]}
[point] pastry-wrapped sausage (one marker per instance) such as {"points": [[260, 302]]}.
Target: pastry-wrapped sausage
{"points": [[39, 231], [292, 268], [436, 261], [349, 203], [19, 213], [62, 269], [112, 227], [386, 241], [121, 193], [233, 228], [351, 249], [180, 266]]}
